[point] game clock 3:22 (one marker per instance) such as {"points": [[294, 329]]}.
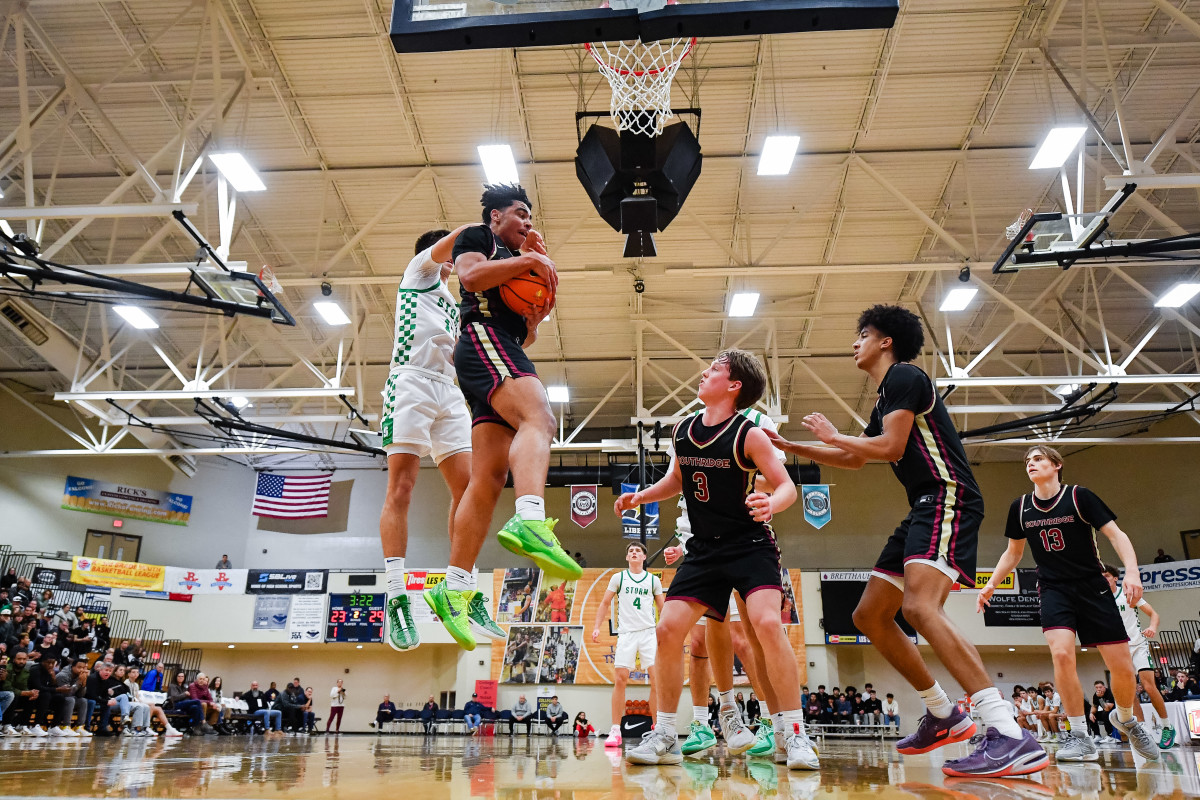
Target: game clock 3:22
{"points": [[355, 618]]}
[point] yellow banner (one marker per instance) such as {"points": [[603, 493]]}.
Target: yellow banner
{"points": [[117, 574], [981, 579]]}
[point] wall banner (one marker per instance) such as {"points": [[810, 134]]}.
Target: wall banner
{"points": [[307, 620], [1171, 575], [206, 581], [117, 574], [129, 502], [271, 612], [585, 504], [285, 581], [1019, 610]]}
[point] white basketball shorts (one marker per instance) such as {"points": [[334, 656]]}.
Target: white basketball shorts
{"points": [[637, 645], [1141, 656], [425, 415]]}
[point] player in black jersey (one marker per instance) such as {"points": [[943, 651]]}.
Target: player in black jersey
{"points": [[1060, 522], [931, 550], [717, 456], [512, 425]]}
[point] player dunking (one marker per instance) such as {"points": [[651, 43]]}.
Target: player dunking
{"points": [[717, 456], [933, 547], [512, 425], [424, 414], [1139, 648], [1059, 522], [639, 595]]}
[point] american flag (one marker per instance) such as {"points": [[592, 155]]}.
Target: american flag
{"points": [[292, 497]]}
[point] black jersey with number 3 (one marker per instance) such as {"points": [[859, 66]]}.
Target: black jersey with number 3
{"points": [[717, 476], [1061, 532]]}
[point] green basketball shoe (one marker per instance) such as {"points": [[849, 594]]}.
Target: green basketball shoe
{"points": [[481, 621], [450, 607], [535, 540], [401, 631], [764, 740], [700, 737]]}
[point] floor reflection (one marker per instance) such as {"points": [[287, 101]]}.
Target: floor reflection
{"points": [[524, 768]]}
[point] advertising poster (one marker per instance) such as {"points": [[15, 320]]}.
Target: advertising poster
{"points": [[1016, 610], [307, 618], [206, 581], [517, 595], [117, 574], [128, 502], [417, 581], [522, 653], [560, 655], [271, 612], [555, 600], [286, 581]]}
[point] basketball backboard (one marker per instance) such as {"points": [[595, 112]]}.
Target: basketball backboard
{"points": [[423, 26], [1055, 239], [243, 290]]}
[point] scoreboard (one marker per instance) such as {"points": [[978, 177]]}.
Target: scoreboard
{"points": [[355, 618]]}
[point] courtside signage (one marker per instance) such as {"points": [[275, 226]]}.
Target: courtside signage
{"points": [[286, 581]]}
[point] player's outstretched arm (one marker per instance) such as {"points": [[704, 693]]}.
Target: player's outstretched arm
{"points": [[1124, 547], [762, 453], [670, 485], [826, 456], [887, 446], [1008, 562], [602, 614], [443, 249]]}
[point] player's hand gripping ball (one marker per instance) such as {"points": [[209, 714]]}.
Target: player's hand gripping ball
{"points": [[525, 294]]}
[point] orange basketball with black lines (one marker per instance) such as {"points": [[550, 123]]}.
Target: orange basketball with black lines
{"points": [[524, 293]]}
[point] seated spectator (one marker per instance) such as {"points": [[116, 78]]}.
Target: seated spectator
{"points": [[752, 709], [429, 716], [16, 685], [473, 714], [143, 711], [1185, 688], [714, 713], [224, 563], [64, 614], [109, 695], [71, 685], [179, 699], [43, 679], [843, 710], [1102, 704], [870, 710], [522, 714], [120, 655], [583, 728], [217, 687], [891, 712], [308, 716], [386, 711], [82, 639], [290, 703], [1162, 558], [555, 716], [259, 705], [198, 690], [740, 700], [272, 694], [102, 634], [48, 647], [152, 682]]}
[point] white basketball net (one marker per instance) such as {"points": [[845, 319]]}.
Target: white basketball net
{"points": [[640, 74], [1011, 231]]}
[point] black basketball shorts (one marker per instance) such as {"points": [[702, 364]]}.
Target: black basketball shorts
{"points": [[932, 533], [484, 356], [715, 567], [1086, 607]]}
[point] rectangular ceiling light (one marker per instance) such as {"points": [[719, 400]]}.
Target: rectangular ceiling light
{"points": [[136, 317], [958, 299], [1057, 146], [1179, 294], [332, 313], [743, 304], [238, 171], [498, 163], [777, 155], [558, 394]]}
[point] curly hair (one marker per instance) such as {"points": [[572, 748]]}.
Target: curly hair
{"points": [[499, 196], [899, 324]]}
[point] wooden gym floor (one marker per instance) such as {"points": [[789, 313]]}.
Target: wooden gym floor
{"points": [[383, 767]]}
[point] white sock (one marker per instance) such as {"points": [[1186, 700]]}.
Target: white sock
{"points": [[993, 710], [531, 508], [700, 714], [763, 711], [777, 722], [1078, 726], [394, 567], [937, 701], [1160, 721], [666, 723], [793, 721], [727, 699], [459, 579], [1124, 714]]}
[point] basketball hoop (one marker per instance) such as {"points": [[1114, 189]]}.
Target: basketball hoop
{"points": [[1011, 231], [267, 276], [640, 74]]}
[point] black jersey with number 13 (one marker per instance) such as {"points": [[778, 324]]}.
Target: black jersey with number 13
{"points": [[1061, 532], [717, 476]]}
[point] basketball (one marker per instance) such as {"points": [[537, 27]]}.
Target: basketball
{"points": [[525, 292]]}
